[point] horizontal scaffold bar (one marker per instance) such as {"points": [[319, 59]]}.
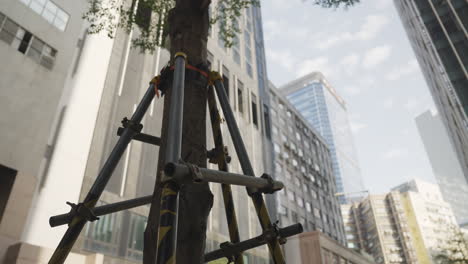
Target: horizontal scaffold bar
{"points": [[143, 137], [228, 249], [184, 172], [101, 210]]}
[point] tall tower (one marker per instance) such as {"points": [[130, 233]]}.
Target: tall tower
{"points": [[437, 31], [444, 162], [326, 111]]}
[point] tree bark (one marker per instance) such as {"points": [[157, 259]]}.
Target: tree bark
{"points": [[188, 32]]}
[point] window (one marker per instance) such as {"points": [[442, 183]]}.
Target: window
{"points": [[297, 181], [278, 167], [291, 196], [282, 210], [254, 110], [294, 162], [308, 207], [294, 217], [135, 242], [226, 80], [26, 43], [266, 118], [317, 213], [7, 179], [275, 130], [103, 235], [277, 148], [240, 96], [300, 202], [52, 13]]}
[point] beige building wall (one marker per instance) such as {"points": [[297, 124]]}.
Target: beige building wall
{"points": [[432, 216], [317, 248]]}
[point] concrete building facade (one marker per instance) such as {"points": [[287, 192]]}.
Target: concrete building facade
{"points": [[437, 31], [38, 45], [378, 226], [104, 79], [445, 164], [325, 111], [302, 161]]}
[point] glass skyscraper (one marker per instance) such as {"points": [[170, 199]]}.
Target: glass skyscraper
{"points": [[326, 111], [437, 31]]}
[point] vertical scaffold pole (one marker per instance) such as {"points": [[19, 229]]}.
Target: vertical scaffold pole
{"points": [[222, 166], [167, 235], [246, 166], [131, 128]]}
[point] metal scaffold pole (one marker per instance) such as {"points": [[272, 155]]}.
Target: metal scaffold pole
{"points": [[256, 196], [167, 235]]}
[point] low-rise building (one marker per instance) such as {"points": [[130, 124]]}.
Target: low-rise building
{"points": [[316, 248], [378, 226], [430, 218]]}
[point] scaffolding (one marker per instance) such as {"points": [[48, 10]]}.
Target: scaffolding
{"points": [[177, 172]]}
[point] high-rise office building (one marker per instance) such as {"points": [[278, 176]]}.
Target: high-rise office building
{"points": [[437, 30], [445, 164], [378, 226], [302, 161], [430, 219], [326, 111], [104, 79]]}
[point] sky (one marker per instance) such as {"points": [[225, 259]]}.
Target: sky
{"points": [[366, 56]]}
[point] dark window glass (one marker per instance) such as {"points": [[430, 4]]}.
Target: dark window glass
{"points": [[266, 117], [254, 110], [25, 42], [7, 178], [226, 80], [240, 96]]}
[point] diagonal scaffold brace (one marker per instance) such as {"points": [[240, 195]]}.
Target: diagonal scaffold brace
{"points": [[177, 172]]}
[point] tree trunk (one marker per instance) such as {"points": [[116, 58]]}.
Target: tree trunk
{"points": [[188, 29]]}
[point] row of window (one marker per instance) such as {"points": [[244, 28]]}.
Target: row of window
{"points": [[236, 47], [51, 12], [241, 92], [25, 42]]}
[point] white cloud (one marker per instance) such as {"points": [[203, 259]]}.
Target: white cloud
{"points": [[409, 68], [381, 4], [352, 89], [395, 153], [388, 103], [280, 29], [370, 28], [412, 104], [376, 56], [283, 58], [356, 127], [349, 63], [317, 64]]}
